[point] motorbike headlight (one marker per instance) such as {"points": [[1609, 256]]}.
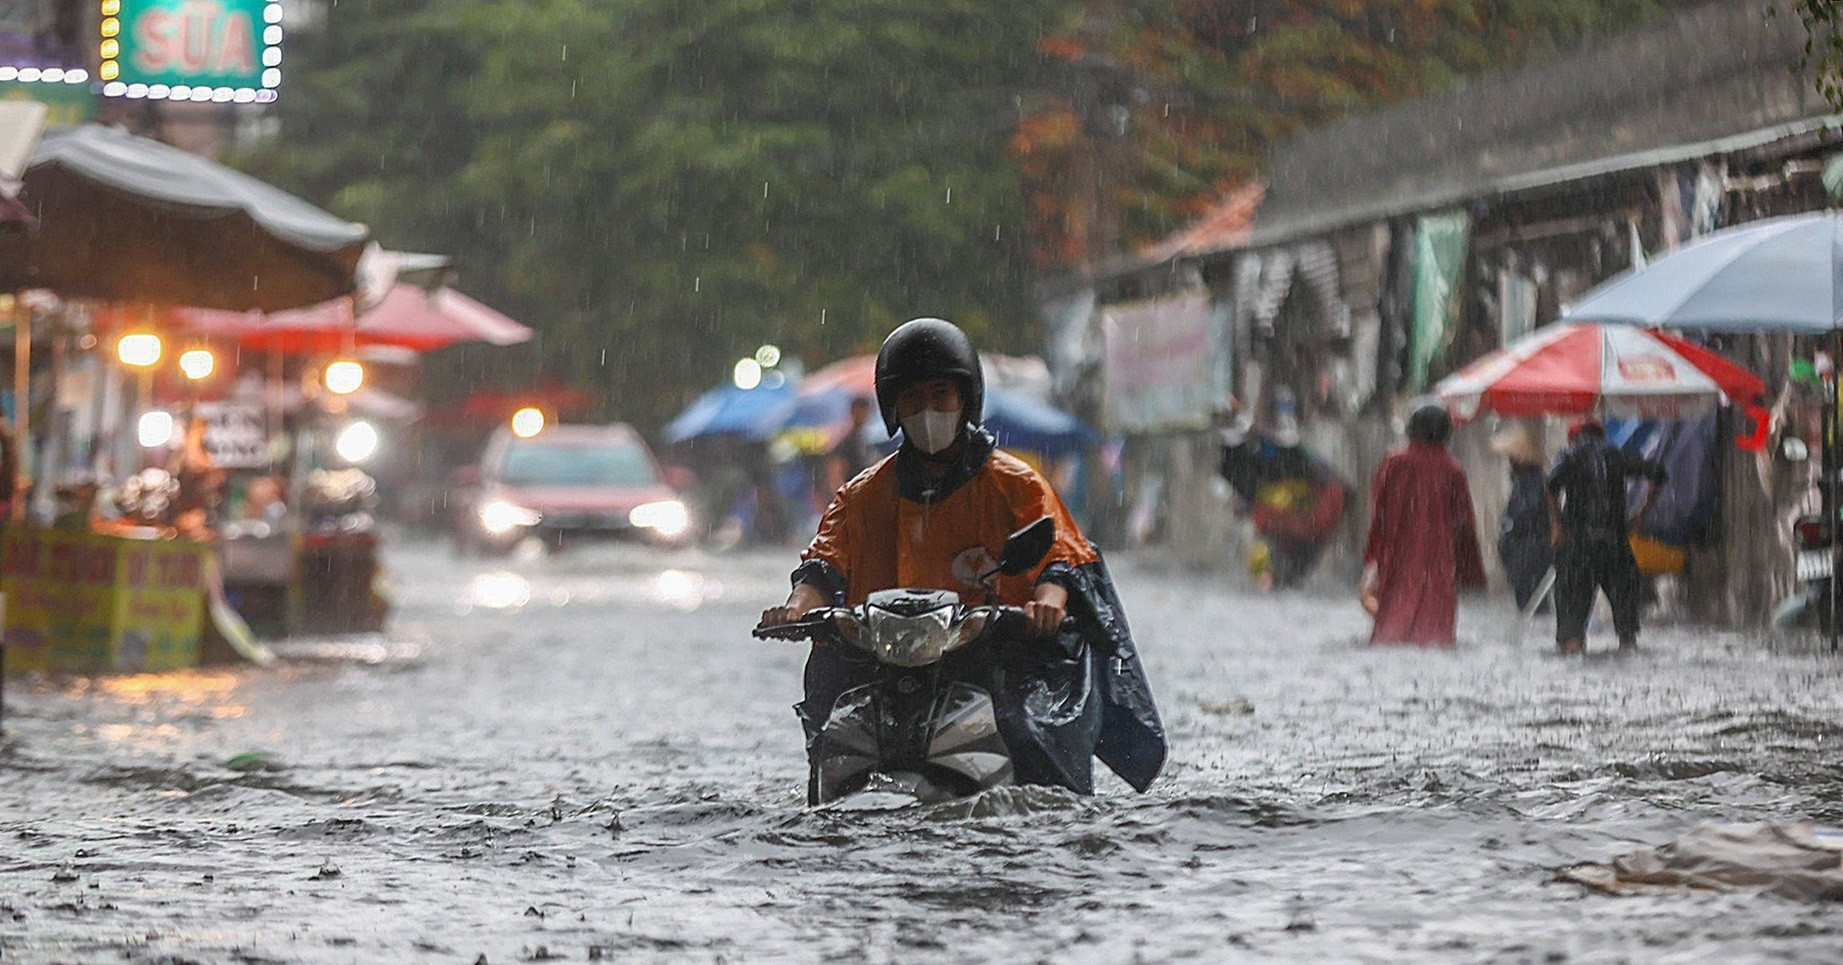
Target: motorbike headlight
{"points": [[499, 517], [666, 517], [910, 641]]}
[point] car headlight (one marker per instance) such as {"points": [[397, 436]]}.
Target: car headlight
{"points": [[666, 517], [499, 517]]}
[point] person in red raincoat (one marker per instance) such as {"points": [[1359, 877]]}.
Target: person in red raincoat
{"points": [[1423, 540]]}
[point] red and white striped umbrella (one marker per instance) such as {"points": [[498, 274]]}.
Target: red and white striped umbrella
{"points": [[1586, 369]]}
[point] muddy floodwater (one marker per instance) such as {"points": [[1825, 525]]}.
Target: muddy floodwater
{"points": [[586, 757]]}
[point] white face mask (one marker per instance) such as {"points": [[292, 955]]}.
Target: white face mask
{"points": [[931, 431]]}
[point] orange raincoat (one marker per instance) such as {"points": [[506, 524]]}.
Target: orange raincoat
{"points": [[877, 541]]}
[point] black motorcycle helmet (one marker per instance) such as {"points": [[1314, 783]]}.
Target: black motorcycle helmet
{"points": [[1430, 422], [928, 348]]}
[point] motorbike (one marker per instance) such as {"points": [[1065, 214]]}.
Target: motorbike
{"points": [[923, 728], [1813, 562]]}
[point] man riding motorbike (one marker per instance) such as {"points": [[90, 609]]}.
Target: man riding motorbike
{"points": [[934, 516]]}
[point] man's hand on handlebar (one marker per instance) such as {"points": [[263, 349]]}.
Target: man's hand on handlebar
{"points": [[800, 602], [1045, 613]]}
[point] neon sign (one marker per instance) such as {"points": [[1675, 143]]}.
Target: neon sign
{"points": [[191, 50]]}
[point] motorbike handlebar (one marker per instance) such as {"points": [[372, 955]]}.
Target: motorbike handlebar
{"points": [[1010, 622], [817, 624], [1007, 621]]}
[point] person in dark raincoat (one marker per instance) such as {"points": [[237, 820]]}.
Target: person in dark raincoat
{"points": [[1423, 538], [1523, 535], [1591, 535], [933, 516], [1295, 499]]}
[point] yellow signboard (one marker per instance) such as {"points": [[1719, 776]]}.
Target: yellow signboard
{"points": [[85, 602]]}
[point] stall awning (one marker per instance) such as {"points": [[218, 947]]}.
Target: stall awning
{"points": [[128, 219]]}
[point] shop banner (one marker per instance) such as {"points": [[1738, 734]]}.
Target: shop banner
{"points": [[236, 434], [182, 48], [82, 602], [1440, 242], [1164, 363]]}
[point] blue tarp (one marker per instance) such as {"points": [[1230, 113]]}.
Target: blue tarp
{"points": [[1023, 422], [727, 410], [1019, 421]]}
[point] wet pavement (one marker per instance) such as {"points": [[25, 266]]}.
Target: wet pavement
{"points": [[586, 757]]}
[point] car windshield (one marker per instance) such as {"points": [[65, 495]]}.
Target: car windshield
{"points": [[571, 464]]}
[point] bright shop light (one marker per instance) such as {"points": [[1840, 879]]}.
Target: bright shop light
{"points": [[139, 349], [357, 442], [344, 377], [527, 422], [155, 429], [197, 364], [748, 374]]}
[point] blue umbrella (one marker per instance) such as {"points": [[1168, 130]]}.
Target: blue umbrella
{"points": [[1022, 421], [727, 410], [1778, 275], [820, 410]]}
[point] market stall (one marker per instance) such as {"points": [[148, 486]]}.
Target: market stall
{"points": [[319, 575], [124, 578]]}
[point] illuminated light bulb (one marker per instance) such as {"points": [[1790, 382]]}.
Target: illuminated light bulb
{"points": [[109, 70], [139, 349], [111, 7], [111, 27], [197, 364], [111, 49], [748, 374], [768, 355], [343, 377], [356, 442], [272, 13], [155, 429], [527, 422]]}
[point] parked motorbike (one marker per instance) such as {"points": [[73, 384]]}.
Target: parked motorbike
{"points": [[924, 727], [1813, 563]]}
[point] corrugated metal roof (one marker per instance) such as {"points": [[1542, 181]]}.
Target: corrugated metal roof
{"points": [[1715, 79]]}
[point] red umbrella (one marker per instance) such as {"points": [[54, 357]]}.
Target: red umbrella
{"points": [[856, 375], [408, 316], [1586, 369]]}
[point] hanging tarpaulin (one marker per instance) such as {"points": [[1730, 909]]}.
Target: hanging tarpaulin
{"points": [[1439, 264], [1162, 368]]}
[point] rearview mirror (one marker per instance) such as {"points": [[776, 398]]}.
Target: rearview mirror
{"points": [[1026, 548]]}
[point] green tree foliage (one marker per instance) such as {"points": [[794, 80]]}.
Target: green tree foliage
{"points": [[663, 185], [1823, 20]]}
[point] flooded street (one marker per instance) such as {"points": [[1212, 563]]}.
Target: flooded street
{"points": [[586, 757]]}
